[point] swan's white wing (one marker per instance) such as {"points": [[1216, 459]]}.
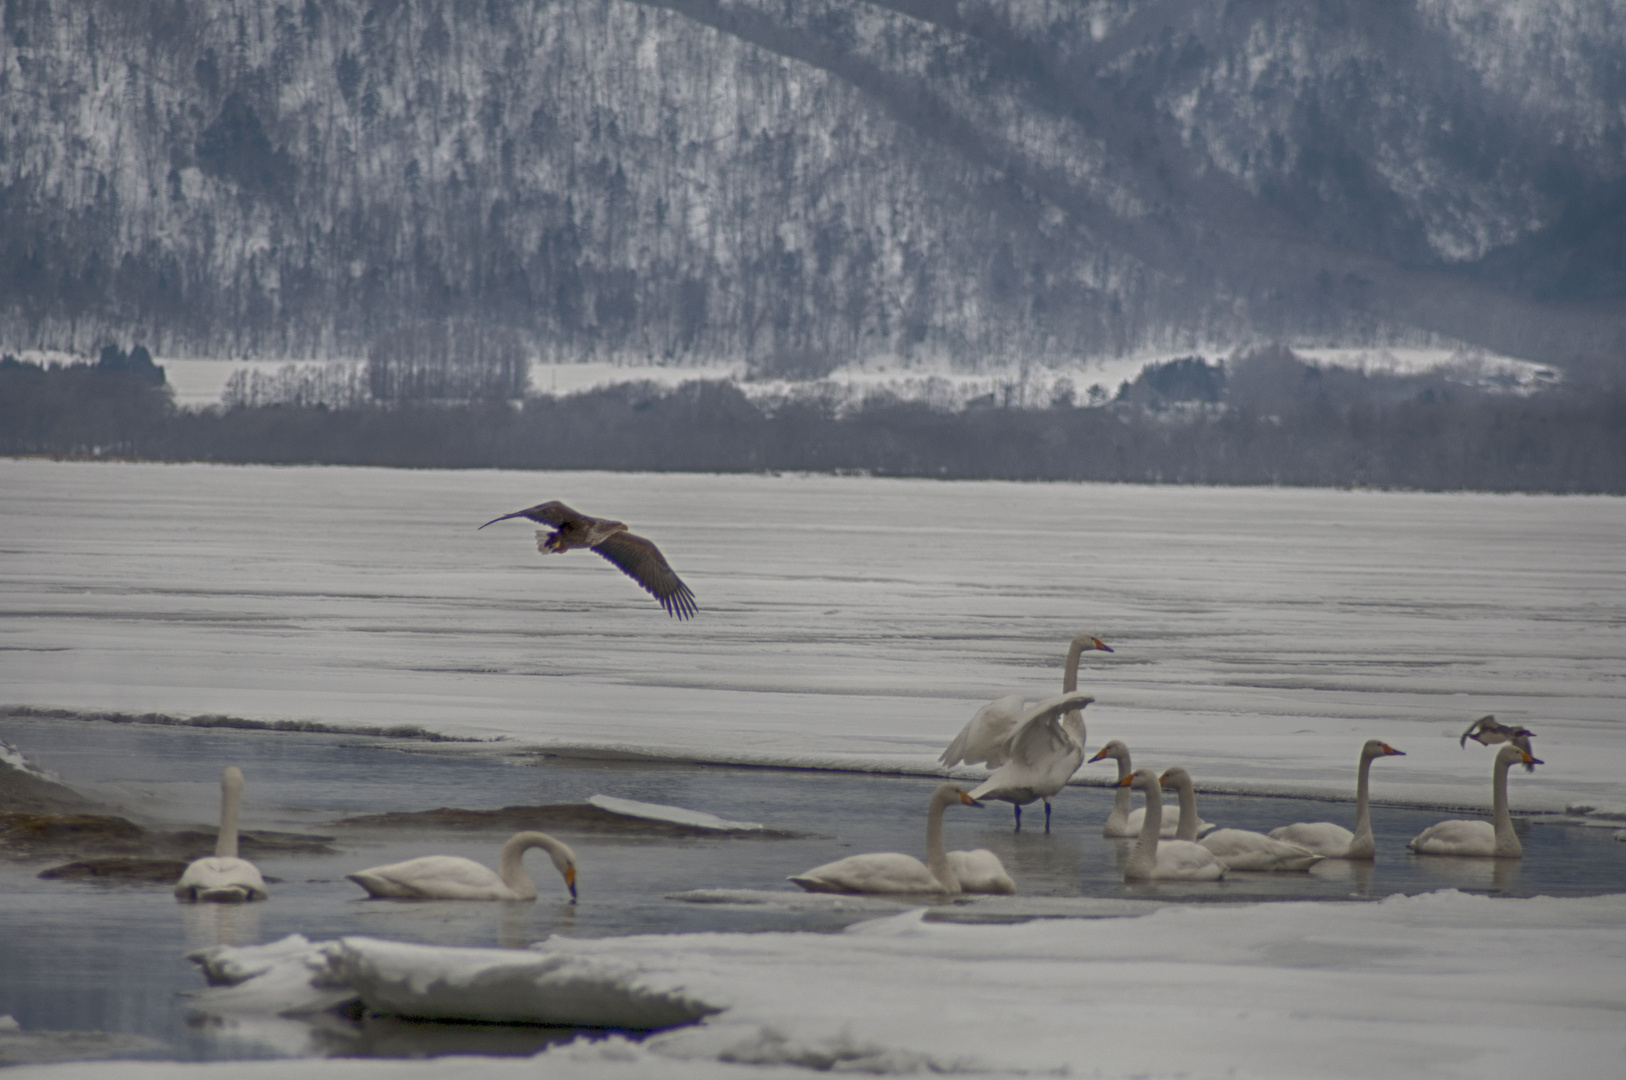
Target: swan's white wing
{"points": [[220, 878], [883, 872], [1242, 849], [1040, 735], [1321, 837], [433, 877], [982, 740], [1456, 838], [1171, 825], [1183, 860]]}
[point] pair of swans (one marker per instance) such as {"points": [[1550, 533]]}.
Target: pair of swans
{"points": [[946, 872], [1124, 822], [1238, 849], [452, 877], [1495, 837], [223, 878], [1032, 754], [1156, 859]]}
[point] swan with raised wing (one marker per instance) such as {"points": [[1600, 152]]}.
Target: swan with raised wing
{"points": [[1164, 860], [1123, 821], [1479, 837], [1042, 754], [984, 739], [891, 872], [452, 877], [1239, 849], [223, 877], [1334, 841]]}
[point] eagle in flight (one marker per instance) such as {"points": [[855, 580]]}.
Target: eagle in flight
{"points": [[639, 559]]}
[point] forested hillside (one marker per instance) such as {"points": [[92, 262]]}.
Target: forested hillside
{"points": [[802, 185]]}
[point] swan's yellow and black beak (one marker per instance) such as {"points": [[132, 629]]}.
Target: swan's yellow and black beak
{"points": [[1525, 756], [968, 800], [1099, 754], [1103, 646], [570, 881], [1389, 751], [1126, 781], [1163, 781]]}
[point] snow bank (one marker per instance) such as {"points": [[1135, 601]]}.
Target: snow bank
{"points": [[1444, 984]]}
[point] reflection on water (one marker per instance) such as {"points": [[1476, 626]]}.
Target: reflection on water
{"points": [[1353, 874], [357, 1033], [1471, 872], [205, 925]]}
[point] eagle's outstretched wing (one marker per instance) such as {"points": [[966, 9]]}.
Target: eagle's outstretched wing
{"points": [[643, 562], [553, 513]]}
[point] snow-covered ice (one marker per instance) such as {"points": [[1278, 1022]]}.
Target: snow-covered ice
{"points": [[1261, 634], [677, 815], [1444, 984]]}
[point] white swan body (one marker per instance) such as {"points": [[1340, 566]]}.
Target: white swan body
{"points": [[1334, 841], [1495, 837], [988, 736], [1042, 754], [452, 877], [980, 871], [1165, 860], [1123, 821], [223, 877], [1239, 849], [890, 872]]}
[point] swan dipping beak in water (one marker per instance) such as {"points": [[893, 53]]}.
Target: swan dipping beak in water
{"points": [[452, 877]]}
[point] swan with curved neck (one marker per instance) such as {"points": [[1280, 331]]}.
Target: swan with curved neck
{"points": [[223, 877], [890, 872], [452, 877], [1043, 752], [1239, 849], [1334, 841], [986, 737], [1164, 860], [1494, 837], [1124, 821]]}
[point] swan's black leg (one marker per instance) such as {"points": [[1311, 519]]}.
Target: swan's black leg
{"points": [[1047, 815], [1018, 808]]}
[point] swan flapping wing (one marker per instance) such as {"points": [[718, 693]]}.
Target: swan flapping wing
{"points": [[982, 740], [1040, 735]]}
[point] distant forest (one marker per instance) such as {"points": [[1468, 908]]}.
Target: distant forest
{"points": [[1264, 418]]}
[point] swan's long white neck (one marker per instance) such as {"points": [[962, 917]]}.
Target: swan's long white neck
{"points": [[1144, 856], [1187, 828], [936, 850], [1361, 845], [511, 863], [231, 795], [1507, 841], [1121, 799], [1069, 683]]}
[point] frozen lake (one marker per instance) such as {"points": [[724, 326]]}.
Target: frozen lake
{"points": [[846, 623]]}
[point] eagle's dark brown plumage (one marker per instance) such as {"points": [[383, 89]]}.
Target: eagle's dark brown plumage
{"points": [[639, 559]]}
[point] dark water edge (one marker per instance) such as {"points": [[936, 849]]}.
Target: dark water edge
{"points": [[108, 955]]}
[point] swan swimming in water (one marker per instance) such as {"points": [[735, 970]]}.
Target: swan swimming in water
{"points": [[1495, 837], [984, 739], [889, 872], [452, 877], [1123, 821], [1164, 860], [1043, 753], [1334, 841], [1239, 849], [223, 877]]}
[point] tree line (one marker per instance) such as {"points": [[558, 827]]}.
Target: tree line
{"points": [[1421, 432]]}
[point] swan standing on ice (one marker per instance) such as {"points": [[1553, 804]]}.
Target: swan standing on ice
{"points": [[1494, 837], [1042, 754], [889, 872], [452, 877], [1124, 822], [1239, 849], [982, 740], [223, 877], [1334, 841], [1164, 860]]}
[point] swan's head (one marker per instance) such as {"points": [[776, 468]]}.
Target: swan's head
{"points": [[1175, 778], [1514, 752], [1089, 642], [1140, 780], [1375, 748], [564, 861], [1114, 749]]}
